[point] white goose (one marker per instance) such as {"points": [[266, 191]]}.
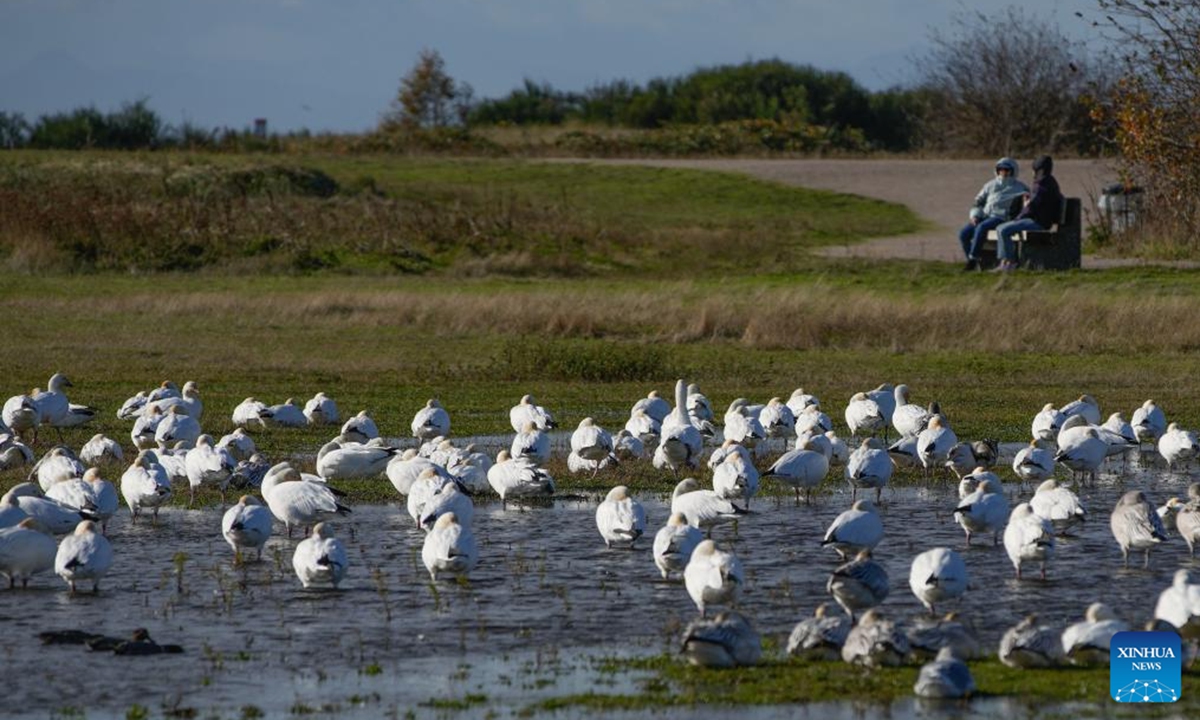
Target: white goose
{"points": [[742, 426], [812, 420], [145, 484], [1083, 452], [712, 576], [937, 575], [802, 468], [428, 484], [860, 584], [644, 427], [58, 465], [855, 530], [320, 559], [1187, 524], [1029, 645], [728, 640], [864, 415], [336, 461], [91, 495], [177, 426], [777, 419], [592, 443], [208, 465], [403, 470], [528, 411], [246, 525], [52, 404], [188, 401], [431, 421], [518, 478], [10, 510], [654, 406], [1177, 446], [1136, 525], [946, 677], [1048, 422], [531, 442], [1180, 604], [322, 410], [289, 414], [627, 446], [13, 452], [699, 407], [239, 444], [620, 519], [1058, 505], [448, 499], [449, 548], [1088, 642], [1028, 538], [674, 543], [20, 414], [101, 449], [869, 467], [1085, 406], [934, 442], [83, 555], [820, 637], [799, 399], [875, 641], [145, 426], [680, 443], [52, 515], [1034, 462], [297, 501], [909, 419], [703, 509], [133, 406], [25, 550], [1149, 422], [360, 428], [984, 510], [735, 477]]}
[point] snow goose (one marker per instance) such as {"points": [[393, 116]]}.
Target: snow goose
{"points": [[945, 677], [1149, 422], [1048, 422], [1058, 505], [52, 515], [1180, 604], [802, 468], [175, 427], [58, 465], [735, 477], [1087, 642], [820, 637], [1085, 406], [101, 449], [885, 397], [83, 555], [1028, 538], [360, 428], [320, 559], [446, 499], [250, 472], [703, 509], [469, 470], [239, 444], [1177, 446], [427, 485], [450, 548], [864, 415], [627, 446], [777, 419], [298, 501], [21, 414], [134, 406], [875, 641], [322, 410], [91, 495], [431, 421], [1034, 462], [674, 543], [1187, 524], [287, 414], [815, 441], [1168, 513], [52, 404], [246, 525], [78, 415], [799, 400], [740, 426], [934, 442], [528, 411], [13, 452], [1029, 645], [903, 452], [403, 470], [839, 454], [144, 428], [728, 640], [1082, 452], [532, 443], [349, 461], [936, 575], [145, 484], [174, 461], [712, 576], [620, 519], [860, 584], [10, 510], [592, 442], [518, 478], [909, 419], [25, 550], [250, 412], [855, 530], [1122, 432], [165, 389], [1136, 525], [961, 459], [699, 408], [928, 636], [208, 465], [812, 420], [188, 401], [984, 510], [869, 467], [644, 427], [654, 406], [680, 443]]}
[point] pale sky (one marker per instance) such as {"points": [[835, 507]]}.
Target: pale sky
{"points": [[336, 65]]}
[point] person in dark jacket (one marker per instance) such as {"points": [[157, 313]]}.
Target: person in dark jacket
{"points": [[1043, 207]]}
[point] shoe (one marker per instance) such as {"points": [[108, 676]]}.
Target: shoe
{"points": [[1005, 266], [972, 264]]}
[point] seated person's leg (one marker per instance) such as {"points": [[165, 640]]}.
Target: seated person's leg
{"points": [[965, 236]]}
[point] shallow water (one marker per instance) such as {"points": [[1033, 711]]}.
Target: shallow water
{"points": [[546, 596]]}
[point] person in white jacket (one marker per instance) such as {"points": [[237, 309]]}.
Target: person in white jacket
{"points": [[993, 206]]}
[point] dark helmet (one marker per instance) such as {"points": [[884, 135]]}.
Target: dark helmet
{"points": [[1044, 164]]}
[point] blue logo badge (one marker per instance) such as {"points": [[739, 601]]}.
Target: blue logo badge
{"points": [[1145, 667]]}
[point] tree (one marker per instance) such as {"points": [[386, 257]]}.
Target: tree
{"points": [[14, 130], [1151, 108], [1004, 84], [427, 96]]}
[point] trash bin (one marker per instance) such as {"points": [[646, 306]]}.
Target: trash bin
{"points": [[1121, 206]]}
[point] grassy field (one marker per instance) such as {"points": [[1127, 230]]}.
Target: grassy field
{"points": [[991, 351]]}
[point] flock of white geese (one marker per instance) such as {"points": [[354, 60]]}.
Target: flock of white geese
{"points": [[66, 495]]}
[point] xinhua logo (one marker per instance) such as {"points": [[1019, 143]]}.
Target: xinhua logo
{"points": [[1144, 667]]}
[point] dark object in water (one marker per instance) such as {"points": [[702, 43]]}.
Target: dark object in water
{"points": [[139, 644], [67, 637]]}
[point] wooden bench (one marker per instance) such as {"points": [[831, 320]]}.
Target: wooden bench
{"points": [[1058, 248]]}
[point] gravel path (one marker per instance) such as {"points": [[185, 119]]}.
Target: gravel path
{"points": [[940, 191]]}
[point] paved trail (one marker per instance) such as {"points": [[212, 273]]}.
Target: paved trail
{"points": [[940, 191]]}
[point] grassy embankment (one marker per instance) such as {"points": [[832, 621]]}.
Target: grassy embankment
{"points": [[617, 280]]}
